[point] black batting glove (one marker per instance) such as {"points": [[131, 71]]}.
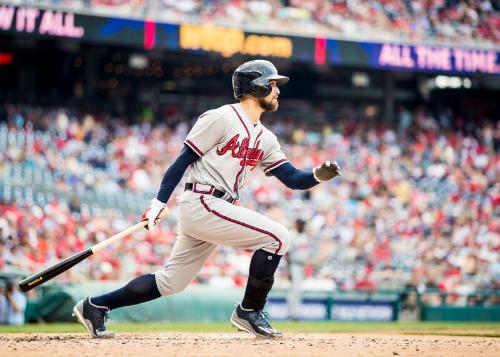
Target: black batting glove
{"points": [[326, 171]]}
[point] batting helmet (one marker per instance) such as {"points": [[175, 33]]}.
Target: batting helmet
{"points": [[253, 78]]}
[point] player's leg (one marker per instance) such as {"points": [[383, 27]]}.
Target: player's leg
{"points": [[220, 222], [187, 258], [239, 227], [93, 312], [294, 294]]}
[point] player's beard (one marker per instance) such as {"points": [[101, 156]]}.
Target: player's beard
{"points": [[268, 106]]}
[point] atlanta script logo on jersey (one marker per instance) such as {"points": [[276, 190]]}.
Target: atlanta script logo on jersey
{"points": [[249, 156]]}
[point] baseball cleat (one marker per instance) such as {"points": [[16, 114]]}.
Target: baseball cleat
{"points": [[255, 322], [93, 317]]}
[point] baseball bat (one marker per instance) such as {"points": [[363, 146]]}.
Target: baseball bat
{"points": [[65, 264]]}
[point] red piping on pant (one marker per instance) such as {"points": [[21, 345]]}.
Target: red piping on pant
{"points": [[241, 224]]}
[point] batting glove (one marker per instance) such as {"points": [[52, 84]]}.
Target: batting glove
{"points": [[326, 171], [152, 213]]}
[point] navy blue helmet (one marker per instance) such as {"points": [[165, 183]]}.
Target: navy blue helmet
{"points": [[253, 78]]}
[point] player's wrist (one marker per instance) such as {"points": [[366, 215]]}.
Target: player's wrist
{"points": [[156, 203], [315, 176]]}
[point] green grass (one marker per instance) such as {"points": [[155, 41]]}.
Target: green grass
{"points": [[413, 328]]}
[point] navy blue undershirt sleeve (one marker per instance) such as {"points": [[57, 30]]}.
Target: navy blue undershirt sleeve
{"points": [[294, 178], [175, 172]]}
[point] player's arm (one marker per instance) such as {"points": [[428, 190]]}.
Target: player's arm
{"points": [[175, 172], [276, 164], [294, 178], [170, 180], [204, 134], [297, 179]]}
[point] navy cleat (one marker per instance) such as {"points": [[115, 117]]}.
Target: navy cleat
{"points": [[255, 322], [93, 317]]}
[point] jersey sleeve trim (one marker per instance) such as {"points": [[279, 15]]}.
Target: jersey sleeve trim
{"points": [[194, 147], [275, 165]]}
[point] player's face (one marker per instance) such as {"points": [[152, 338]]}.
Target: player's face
{"points": [[270, 103]]}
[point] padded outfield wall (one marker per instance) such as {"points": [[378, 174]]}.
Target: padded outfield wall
{"points": [[208, 304]]}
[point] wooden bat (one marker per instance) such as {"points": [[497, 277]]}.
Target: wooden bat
{"points": [[56, 269]]}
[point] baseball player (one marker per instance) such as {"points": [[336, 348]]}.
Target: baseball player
{"points": [[221, 148], [298, 254]]}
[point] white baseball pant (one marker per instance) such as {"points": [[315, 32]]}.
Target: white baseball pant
{"points": [[206, 222]]}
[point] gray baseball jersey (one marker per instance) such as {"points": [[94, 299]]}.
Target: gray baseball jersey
{"points": [[229, 145]]}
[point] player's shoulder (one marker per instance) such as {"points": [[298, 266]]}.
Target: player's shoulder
{"points": [[220, 111]]}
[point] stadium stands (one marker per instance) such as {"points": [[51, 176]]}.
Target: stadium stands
{"points": [[415, 206]]}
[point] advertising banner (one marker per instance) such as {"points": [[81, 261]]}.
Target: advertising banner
{"points": [[310, 309], [413, 57], [227, 42], [362, 311], [49, 23], [337, 310]]}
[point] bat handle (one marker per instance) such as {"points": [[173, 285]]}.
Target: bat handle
{"points": [[100, 246], [135, 227]]}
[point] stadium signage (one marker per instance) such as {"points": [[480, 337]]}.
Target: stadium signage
{"points": [[340, 310], [362, 311], [425, 58], [314, 309], [229, 41], [41, 22], [438, 58]]}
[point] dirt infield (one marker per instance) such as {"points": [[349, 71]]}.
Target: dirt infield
{"points": [[239, 344]]}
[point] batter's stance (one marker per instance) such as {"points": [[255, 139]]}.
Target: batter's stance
{"points": [[223, 145]]}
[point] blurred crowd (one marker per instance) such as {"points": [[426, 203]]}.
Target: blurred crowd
{"points": [[417, 205], [467, 21], [12, 303]]}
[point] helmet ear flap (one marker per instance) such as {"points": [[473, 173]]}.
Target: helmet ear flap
{"points": [[244, 83], [262, 90]]}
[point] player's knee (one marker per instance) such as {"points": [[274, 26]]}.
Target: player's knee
{"points": [[172, 289], [284, 239], [166, 285], [177, 288]]}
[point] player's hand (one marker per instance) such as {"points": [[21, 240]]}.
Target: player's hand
{"points": [[326, 171], [152, 213]]}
